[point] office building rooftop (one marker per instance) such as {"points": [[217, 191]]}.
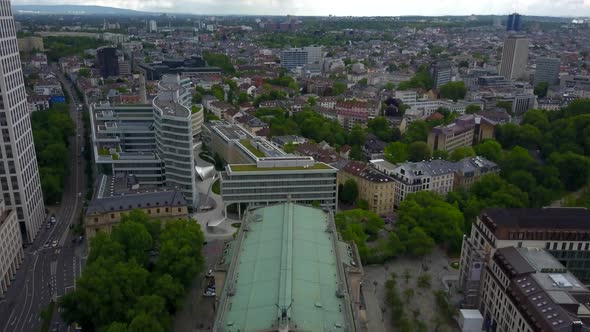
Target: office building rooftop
{"points": [[504, 221]]}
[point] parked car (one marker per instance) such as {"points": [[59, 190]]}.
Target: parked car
{"points": [[54, 243]]}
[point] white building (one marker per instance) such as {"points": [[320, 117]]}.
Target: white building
{"points": [[11, 247], [515, 55], [434, 175], [19, 174], [153, 26]]}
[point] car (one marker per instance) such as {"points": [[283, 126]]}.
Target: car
{"points": [[79, 194], [208, 293], [48, 226], [54, 243], [210, 274], [46, 244]]}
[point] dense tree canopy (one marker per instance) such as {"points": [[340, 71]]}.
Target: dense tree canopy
{"points": [[121, 290], [421, 80], [453, 90], [51, 130]]}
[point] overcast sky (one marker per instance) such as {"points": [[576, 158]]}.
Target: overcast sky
{"points": [[343, 7]]}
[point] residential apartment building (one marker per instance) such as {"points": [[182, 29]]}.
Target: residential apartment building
{"points": [[290, 262], [153, 142], [467, 130], [563, 232], [116, 196], [374, 187], [439, 176], [470, 170], [547, 71], [219, 108], [527, 289], [515, 55], [11, 247], [435, 175], [19, 174]]}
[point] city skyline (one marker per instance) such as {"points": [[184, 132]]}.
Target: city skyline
{"points": [[559, 8]]}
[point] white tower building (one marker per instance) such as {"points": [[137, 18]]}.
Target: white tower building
{"points": [[19, 175]]}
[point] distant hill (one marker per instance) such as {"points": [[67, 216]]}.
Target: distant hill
{"points": [[73, 9]]}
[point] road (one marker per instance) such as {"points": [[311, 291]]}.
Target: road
{"points": [[48, 272]]}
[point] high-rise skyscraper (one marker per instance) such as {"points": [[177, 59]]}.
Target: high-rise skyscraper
{"points": [[513, 23], [106, 58], [153, 26], [515, 55], [19, 174], [547, 71]]}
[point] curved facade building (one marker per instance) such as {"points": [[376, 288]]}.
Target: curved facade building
{"points": [[174, 129]]}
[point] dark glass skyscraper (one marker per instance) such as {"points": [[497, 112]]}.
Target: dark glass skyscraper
{"points": [[513, 22], [107, 61]]}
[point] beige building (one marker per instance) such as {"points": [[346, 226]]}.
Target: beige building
{"points": [[467, 130], [30, 44], [374, 187], [112, 201], [515, 56], [11, 247]]}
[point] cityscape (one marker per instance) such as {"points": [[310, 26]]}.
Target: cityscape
{"points": [[260, 167]]}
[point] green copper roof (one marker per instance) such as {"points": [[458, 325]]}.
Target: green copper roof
{"points": [[286, 262]]}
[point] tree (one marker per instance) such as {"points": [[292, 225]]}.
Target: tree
{"points": [[417, 131], [418, 151], [363, 82], [381, 128], [574, 169], [461, 153], [396, 152], [349, 192], [470, 109], [362, 204], [389, 86], [418, 242], [493, 191], [84, 72], [338, 88], [356, 153], [541, 89], [117, 327], [145, 323], [357, 135], [440, 154], [453, 90], [489, 149], [180, 250], [508, 135], [103, 246], [135, 239], [437, 218]]}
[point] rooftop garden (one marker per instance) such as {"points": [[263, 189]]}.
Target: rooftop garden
{"points": [[248, 145], [255, 168], [195, 109]]}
